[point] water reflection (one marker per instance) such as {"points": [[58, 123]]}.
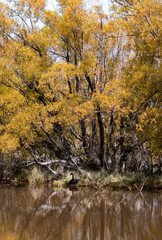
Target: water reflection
{"points": [[48, 214]]}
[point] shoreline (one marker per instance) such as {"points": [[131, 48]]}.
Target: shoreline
{"points": [[137, 182]]}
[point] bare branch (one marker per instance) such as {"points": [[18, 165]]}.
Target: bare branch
{"points": [[141, 188], [65, 41]]}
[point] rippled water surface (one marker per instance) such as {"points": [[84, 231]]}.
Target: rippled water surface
{"points": [[54, 214]]}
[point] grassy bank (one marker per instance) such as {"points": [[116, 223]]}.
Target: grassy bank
{"points": [[101, 180], [97, 180]]}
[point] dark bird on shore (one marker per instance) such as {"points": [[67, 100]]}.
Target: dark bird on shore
{"points": [[73, 180]]}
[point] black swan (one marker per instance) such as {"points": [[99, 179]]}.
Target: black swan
{"points": [[73, 180]]}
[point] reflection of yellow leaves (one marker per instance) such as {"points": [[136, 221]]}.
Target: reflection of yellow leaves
{"points": [[8, 235]]}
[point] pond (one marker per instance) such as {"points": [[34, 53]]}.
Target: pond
{"points": [[46, 213]]}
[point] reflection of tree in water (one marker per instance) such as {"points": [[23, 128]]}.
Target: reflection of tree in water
{"points": [[122, 216], [45, 214]]}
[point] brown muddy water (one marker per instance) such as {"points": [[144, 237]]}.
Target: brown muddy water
{"points": [[28, 213]]}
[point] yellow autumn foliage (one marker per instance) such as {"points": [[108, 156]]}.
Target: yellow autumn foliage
{"points": [[75, 63]]}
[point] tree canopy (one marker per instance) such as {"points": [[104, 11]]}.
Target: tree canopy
{"points": [[80, 85]]}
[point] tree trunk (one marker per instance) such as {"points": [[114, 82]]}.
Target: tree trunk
{"points": [[121, 142], [84, 138], [94, 141], [110, 148], [101, 154]]}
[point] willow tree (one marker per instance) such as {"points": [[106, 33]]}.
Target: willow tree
{"points": [[79, 86], [140, 21]]}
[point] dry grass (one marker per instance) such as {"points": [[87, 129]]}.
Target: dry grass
{"points": [[36, 176], [99, 180]]}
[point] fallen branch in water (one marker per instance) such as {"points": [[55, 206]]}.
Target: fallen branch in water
{"points": [[125, 184], [140, 189]]}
